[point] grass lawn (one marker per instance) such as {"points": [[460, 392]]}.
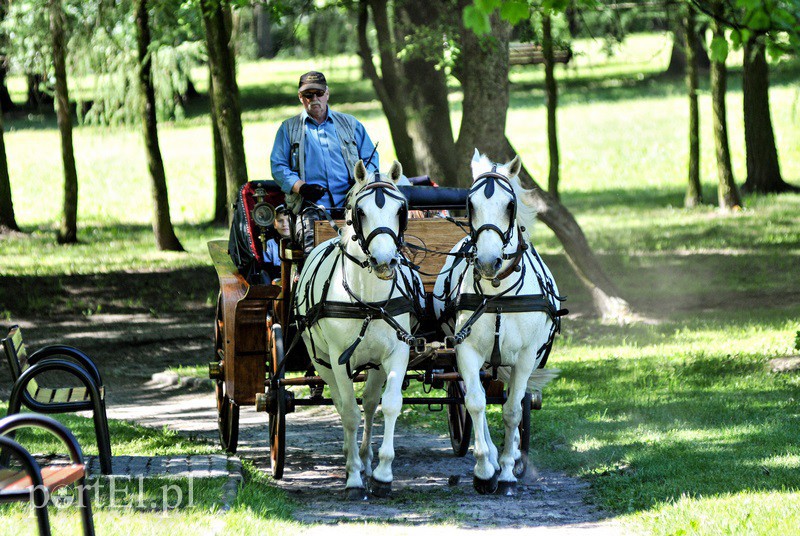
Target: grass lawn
{"points": [[677, 422]]}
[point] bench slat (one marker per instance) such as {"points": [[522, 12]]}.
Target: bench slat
{"points": [[53, 477], [62, 395]]}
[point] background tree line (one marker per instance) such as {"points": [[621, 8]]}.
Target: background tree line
{"points": [[140, 54]]}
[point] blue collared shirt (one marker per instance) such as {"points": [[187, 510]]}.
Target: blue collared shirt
{"points": [[272, 253], [323, 160]]}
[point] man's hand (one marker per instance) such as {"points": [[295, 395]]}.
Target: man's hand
{"points": [[312, 192]]}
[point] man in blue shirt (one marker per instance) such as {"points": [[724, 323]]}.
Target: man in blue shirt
{"points": [[315, 152]]}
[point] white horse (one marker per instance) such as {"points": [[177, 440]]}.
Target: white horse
{"points": [[355, 298], [500, 300]]}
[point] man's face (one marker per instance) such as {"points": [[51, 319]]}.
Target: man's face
{"points": [[281, 225], [315, 101]]}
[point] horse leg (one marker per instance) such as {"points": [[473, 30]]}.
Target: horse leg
{"points": [[371, 399], [391, 404], [512, 414], [469, 365], [351, 418]]}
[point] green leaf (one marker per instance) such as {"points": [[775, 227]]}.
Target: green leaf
{"points": [[476, 20], [719, 49], [487, 6], [515, 11]]}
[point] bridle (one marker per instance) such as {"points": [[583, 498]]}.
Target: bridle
{"points": [[380, 189], [488, 181]]}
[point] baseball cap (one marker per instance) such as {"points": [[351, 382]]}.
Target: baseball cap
{"points": [[312, 80]]}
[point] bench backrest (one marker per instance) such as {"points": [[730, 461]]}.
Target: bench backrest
{"points": [[15, 352]]}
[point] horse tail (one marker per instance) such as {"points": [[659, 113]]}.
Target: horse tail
{"points": [[539, 377]]}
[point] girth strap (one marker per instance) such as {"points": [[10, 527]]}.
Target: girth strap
{"points": [[525, 303], [336, 309]]}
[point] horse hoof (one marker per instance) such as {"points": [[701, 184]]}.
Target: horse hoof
{"points": [[507, 489], [379, 489], [356, 494], [485, 487]]}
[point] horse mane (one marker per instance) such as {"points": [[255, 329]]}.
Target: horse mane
{"points": [[527, 212]]}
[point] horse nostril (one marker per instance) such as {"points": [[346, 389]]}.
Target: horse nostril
{"points": [[497, 263], [393, 263], [373, 261]]}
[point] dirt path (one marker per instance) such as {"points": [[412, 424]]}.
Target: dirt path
{"points": [[431, 487]]}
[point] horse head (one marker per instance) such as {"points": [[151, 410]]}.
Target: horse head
{"points": [[492, 212], [376, 216]]}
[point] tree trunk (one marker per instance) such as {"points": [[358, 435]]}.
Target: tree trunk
{"points": [[428, 107], [551, 89], [68, 233], [220, 181], [388, 85], [37, 99], [162, 225], [679, 57], [262, 31], [226, 98], [7, 218], [483, 71], [6, 104], [728, 194], [694, 192], [482, 68], [763, 169]]}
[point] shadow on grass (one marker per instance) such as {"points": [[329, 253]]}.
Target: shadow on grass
{"points": [[666, 427]]}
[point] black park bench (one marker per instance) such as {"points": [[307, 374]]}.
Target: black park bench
{"points": [[85, 393], [32, 482], [531, 54]]}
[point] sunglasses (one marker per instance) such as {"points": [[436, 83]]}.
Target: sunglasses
{"points": [[313, 93]]}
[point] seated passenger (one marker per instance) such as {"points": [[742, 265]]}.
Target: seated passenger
{"points": [[273, 247]]}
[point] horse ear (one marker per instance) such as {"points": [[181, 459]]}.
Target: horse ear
{"points": [[360, 172], [396, 171], [514, 167], [476, 163]]}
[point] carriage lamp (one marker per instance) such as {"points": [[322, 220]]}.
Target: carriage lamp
{"points": [[263, 212], [263, 215]]}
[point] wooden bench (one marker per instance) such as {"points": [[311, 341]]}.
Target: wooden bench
{"points": [[36, 484], [432, 233], [530, 54], [87, 394]]}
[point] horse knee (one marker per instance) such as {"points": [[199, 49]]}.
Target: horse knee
{"points": [[475, 402]]}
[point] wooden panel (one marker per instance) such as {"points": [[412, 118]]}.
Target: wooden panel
{"points": [[53, 477], [432, 233], [244, 312]]}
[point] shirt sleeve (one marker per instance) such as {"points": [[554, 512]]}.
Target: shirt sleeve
{"points": [[365, 148], [279, 160]]}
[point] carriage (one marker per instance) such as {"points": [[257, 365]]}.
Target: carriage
{"points": [[255, 327]]}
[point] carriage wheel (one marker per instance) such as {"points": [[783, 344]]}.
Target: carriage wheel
{"points": [[277, 422], [459, 421], [227, 419], [521, 465], [227, 409]]}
